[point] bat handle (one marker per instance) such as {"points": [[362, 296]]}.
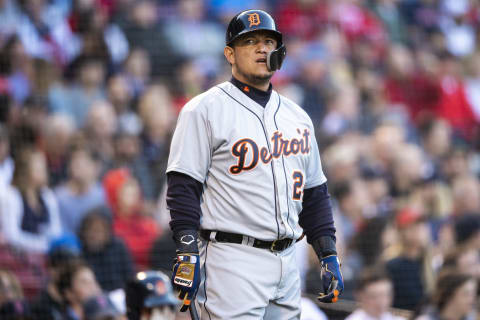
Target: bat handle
{"points": [[193, 311]]}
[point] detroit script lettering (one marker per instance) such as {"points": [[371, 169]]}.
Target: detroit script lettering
{"points": [[246, 148]]}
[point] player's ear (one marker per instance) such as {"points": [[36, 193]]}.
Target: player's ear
{"points": [[229, 54]]}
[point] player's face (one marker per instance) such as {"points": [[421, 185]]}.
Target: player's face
{"points": [[249, 57]]}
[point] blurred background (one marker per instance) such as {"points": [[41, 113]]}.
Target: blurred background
{"points": [[89, 95]]}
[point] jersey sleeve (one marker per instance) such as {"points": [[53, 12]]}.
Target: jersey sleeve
{"points": [[190, 151], [314, 174]]}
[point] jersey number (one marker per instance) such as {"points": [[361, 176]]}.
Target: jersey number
{"points": [[297, 185]]}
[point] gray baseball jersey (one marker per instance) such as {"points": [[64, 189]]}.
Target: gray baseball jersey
{"points": [[254, 162]]}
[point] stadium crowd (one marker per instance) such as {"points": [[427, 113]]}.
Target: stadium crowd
{"points": [[89, 95]]}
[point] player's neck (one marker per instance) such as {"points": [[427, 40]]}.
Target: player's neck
{"points": [[259, 96], [260, 85]]}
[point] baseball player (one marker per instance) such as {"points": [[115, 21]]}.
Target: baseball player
{"points": [[149, 296], [244, 183]]}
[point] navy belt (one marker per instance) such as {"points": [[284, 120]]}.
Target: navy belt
{"points": [[229, 237]]}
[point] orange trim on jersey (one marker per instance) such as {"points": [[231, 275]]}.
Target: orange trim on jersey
{"points": [[298, 182], [241, 154]]}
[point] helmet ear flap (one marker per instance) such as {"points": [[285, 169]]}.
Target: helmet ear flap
{"points": [[276, 57]]}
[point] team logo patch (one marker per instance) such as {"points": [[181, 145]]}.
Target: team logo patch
{"points": [[185, 270], [254, 19]]}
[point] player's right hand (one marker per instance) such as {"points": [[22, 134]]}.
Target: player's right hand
{"points": [[332, 279], [186, 277]]}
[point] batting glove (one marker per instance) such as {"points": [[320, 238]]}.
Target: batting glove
{"points": [[186, 267], [332, 279], [186, 277]]}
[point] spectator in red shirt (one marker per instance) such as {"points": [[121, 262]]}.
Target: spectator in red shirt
{"points": [[129, 223]]}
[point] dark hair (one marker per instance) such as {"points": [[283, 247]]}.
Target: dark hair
{"points": [[342, 189], [100, 212], [368, 241], [371, 275], [448, 281], [67, 274], [21, 174]]}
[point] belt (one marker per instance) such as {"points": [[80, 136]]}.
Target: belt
{"points": [[220, 236]]}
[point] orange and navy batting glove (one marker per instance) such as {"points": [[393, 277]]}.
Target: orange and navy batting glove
{"points": [[331, 276], [186, 268], [332, 280]]}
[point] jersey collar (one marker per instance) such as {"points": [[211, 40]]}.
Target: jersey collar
{"points": [[259, 96]]}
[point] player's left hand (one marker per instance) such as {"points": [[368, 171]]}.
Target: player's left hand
{"points": [[332, 280], [186, 277]]}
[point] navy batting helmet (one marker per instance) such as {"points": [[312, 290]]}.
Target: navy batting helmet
{"points": [[256, 20], [149, 289]]}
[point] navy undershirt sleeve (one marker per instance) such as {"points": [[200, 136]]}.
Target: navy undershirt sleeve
{"points": [[183, 201], [316, 217]]}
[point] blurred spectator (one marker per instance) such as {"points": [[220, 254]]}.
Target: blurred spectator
{"points": [[77, 98], [454, 298], [466, 195], [58, 131], [76, 284], [382, 146], [436, 141], [456, 163], [12, 304], [44, 31], [106, 254], [465, 259], [18, 69], [29, 209], [472, 83], [138, 70], [6, 162], [409, 87], [370, 242], [374, 293], [411, 271], [9, 16], [10, 288], [341, 161], [342, 114], [143, 30], [453, 105], [163, 252], [467, 230], [127, 147], [299, 18], [48, 304], [82, 191], [90, 20], [389, 13], [100, 129], [101, 308], [224, 10], [156, 111], [125, 199], [408, 170], [352, 200], [194, 37], [458, 31], [119, 94]]}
